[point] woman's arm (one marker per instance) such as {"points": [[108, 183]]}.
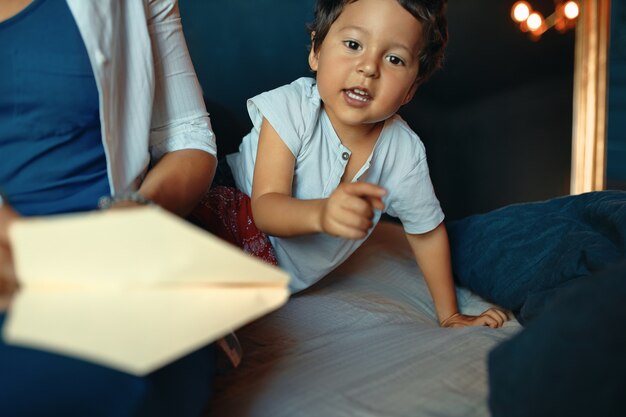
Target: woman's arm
{"points": [[348, 212], [432, 252], [179, 116], [179, 179], [8, 282], [181, 140]]}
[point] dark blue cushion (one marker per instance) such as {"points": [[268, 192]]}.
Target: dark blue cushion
{"points": [[518, 256], [571, 360], [37, 383]]}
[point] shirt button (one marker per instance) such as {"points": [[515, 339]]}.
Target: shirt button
{"points": [[345, 156]]}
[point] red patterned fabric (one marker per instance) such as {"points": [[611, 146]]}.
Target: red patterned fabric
{"points": [[226, 212]]}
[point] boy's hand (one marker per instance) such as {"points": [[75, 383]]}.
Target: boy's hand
{"points": [[349, 211], [493, 318]]}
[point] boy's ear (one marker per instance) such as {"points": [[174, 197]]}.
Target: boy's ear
{"points": [[410, 94], [313, 56]]}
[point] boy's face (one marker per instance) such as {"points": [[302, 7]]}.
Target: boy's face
{"points": [[368, 63]]}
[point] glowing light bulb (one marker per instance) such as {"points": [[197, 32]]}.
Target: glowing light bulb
{"points": [[571, 10], [520, 11], [534, 21]]}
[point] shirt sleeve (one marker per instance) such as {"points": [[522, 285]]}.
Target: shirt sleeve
{"points": [[179, 118], [414, 202], [289, 109]]}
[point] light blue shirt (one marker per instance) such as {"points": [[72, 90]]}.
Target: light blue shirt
{"points": [[397, 163]]}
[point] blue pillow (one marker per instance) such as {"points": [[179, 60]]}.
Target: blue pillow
{"points": [[571, 360], [518, 256]]}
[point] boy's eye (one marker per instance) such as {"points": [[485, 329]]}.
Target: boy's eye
{"points": [[352, 45], [395, 60]]}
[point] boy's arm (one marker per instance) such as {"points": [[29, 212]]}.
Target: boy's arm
{"points": [[432, 253], [347, 213]]}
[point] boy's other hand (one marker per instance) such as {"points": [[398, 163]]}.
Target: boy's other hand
{"points": [[492, 317], [349, 211]]}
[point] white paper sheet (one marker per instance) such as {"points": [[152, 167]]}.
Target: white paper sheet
{"points": [[132, 289]]}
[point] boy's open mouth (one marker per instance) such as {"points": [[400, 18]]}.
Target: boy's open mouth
{"points": [[358, 94]]}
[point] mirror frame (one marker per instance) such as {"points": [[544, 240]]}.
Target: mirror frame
{"points": [[590, 97]]}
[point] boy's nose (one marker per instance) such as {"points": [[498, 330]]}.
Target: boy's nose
{"points": [[368, 67]]}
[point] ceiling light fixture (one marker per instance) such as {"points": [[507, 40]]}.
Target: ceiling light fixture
{"points": [[532, 21]]}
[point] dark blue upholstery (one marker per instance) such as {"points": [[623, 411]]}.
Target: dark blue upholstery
{"points": [[571, 360], [518, 256]]}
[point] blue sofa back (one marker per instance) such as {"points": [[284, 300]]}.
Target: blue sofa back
{"points": [[241, 48], [496, 121]]}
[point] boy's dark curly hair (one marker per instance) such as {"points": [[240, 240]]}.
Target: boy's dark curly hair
{"points": [[431, 13]]}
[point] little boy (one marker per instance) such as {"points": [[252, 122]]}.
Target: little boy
{"points": [[328, 155]]}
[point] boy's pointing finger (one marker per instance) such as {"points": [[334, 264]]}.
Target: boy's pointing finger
{"points": [[372, 193], [365, 189]]}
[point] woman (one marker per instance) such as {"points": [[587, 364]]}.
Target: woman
{"points": [[97, 98], [93, 93]]}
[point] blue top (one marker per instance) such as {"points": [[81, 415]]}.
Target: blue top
{"points": [[51, 155]]}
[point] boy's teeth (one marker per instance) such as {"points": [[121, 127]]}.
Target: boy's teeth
{"points": [[357, 94]]}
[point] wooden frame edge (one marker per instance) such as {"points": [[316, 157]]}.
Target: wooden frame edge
{"points": [[588, 172]]}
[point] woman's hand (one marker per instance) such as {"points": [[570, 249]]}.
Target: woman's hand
{"points": [[349, 210], [492, 317], [8, 281]]}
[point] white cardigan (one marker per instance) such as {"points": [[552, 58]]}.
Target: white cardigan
{"points": [[150, 99]]}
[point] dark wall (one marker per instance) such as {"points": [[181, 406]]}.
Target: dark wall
{"points": [[241, 48], [496, 121], [509, 147]]}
